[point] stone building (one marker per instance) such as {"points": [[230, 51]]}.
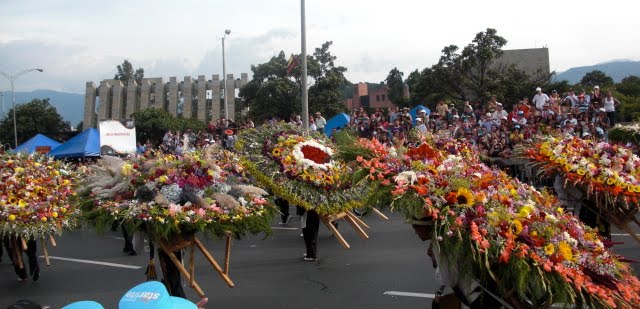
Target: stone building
{"points": [[189, 98], [370, 95]]}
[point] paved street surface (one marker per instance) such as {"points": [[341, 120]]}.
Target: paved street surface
{"points": [[389, 270]]}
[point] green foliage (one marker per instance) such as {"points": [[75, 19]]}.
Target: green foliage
{"points": [[272, 92], [629, 86], [126, 73], [37, 116], [596, 78], [153, 123], [396, 88], [473, 74]]}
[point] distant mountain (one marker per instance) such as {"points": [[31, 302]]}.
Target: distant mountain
{"points": [[69, 105], [616, 69]]}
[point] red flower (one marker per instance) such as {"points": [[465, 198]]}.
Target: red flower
{"points": [[315, 154]]}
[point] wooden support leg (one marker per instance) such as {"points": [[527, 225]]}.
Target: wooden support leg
{"points": [[53, 241], [184, 272], [227, 253], [17, 252], [24, 244], [380, 214], [46, 252], [192, 267], [357, 220], [356, 227], [630, 231], [213, 262], [335, 232]]}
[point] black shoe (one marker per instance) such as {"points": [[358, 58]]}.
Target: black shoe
{"points": [[133, 252], [36, 274], [127, 249]]}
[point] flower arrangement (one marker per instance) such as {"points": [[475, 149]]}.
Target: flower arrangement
{"points": [[507, 235], [35, 196], [168, 195], [303, 169], [609, 173], [625, 134]]}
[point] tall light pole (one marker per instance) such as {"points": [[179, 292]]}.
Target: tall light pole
{"points": [[13, 98], [305, 94], [3, 112], [224, 76]]}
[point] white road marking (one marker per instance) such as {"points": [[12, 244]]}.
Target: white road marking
{"points": [[283, 228], [623, 234], [92, 262], [409, 294]]}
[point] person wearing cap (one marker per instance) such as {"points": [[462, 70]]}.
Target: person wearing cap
{"points": [[420, 125], [596, 96], [601, 120], [520, 119], [442, 108], [320, 122], [229, 140], [500, 112], [571, 100], [583, 105], [539, 99], [570, 120]]}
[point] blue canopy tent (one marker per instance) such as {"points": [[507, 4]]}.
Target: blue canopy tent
{"points": [[39, 144], [338, 121], [414, 112], [85, 144]]}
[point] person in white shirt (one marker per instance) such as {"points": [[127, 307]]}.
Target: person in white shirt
{"points": [[540, 99], [320, 122], [500, 112], [609, 104]]}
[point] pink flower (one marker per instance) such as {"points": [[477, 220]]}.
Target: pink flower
{"points": [[174, 209], [200, 212]]}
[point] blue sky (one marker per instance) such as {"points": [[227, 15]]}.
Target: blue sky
{"points": [[80, 41]]}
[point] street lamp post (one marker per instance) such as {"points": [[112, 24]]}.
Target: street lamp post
{"points": [[3, 112], [224, 76], [11, 78]]}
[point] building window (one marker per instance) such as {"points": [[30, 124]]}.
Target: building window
{"points": [[377, 98], [384, 97]]}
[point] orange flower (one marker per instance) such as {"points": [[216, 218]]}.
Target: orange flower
{"points": [[452, 198]]}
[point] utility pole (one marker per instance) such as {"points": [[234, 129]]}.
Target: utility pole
{"points": [[305, 93]]}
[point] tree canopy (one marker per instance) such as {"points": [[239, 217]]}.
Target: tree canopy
{"points": [[126, 73], [271, 92], [396, 88], [35, 117], [596, 78]]}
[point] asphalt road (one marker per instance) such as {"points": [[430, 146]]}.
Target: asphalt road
{"points": [[268, 273]]}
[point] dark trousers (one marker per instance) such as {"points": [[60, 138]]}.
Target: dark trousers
{"points": [[128, 239], [283, 205], [171, 274], [34, 268], [310, 233], [6, 243]]}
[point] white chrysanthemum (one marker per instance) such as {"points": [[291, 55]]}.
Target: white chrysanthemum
{"points": [[299, 156], [409, 177]]}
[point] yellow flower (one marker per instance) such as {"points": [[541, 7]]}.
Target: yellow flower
{"points": [[44, 219], [127, 168], [163, 179], [518, 226], [276, 152], [54, 214], [12, 217], [565, 251], [465, 197], [22, 203], [611, 181], [18, 170], [581, 172], [549, 249], [560, 210]]}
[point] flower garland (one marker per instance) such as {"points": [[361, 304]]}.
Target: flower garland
{"points": [[506, 234], [168, 195], [35, 196], [302, 169], [625, 133], [610, 173]]}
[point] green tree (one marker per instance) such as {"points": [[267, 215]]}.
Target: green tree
{"points": [[271, 92], [396, 88], [596, 78], [126, 73], [35, 117], [325, 94], [629, 86], [153, 123]]}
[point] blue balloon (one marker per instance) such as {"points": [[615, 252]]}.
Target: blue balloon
{"points": [[85, 304], [152, 294]]}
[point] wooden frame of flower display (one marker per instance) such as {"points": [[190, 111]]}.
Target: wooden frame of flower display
{"points": [[608, 174], [499, 232], [303, 169], [173, 198]]}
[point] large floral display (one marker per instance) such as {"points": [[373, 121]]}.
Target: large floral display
{"points": [[301, 168], [167, 195], [506, 235], [608, 173], [35, 196]]}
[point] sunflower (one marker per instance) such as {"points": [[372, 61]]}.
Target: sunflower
{"points": [[276, 152], [465, 197]]}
